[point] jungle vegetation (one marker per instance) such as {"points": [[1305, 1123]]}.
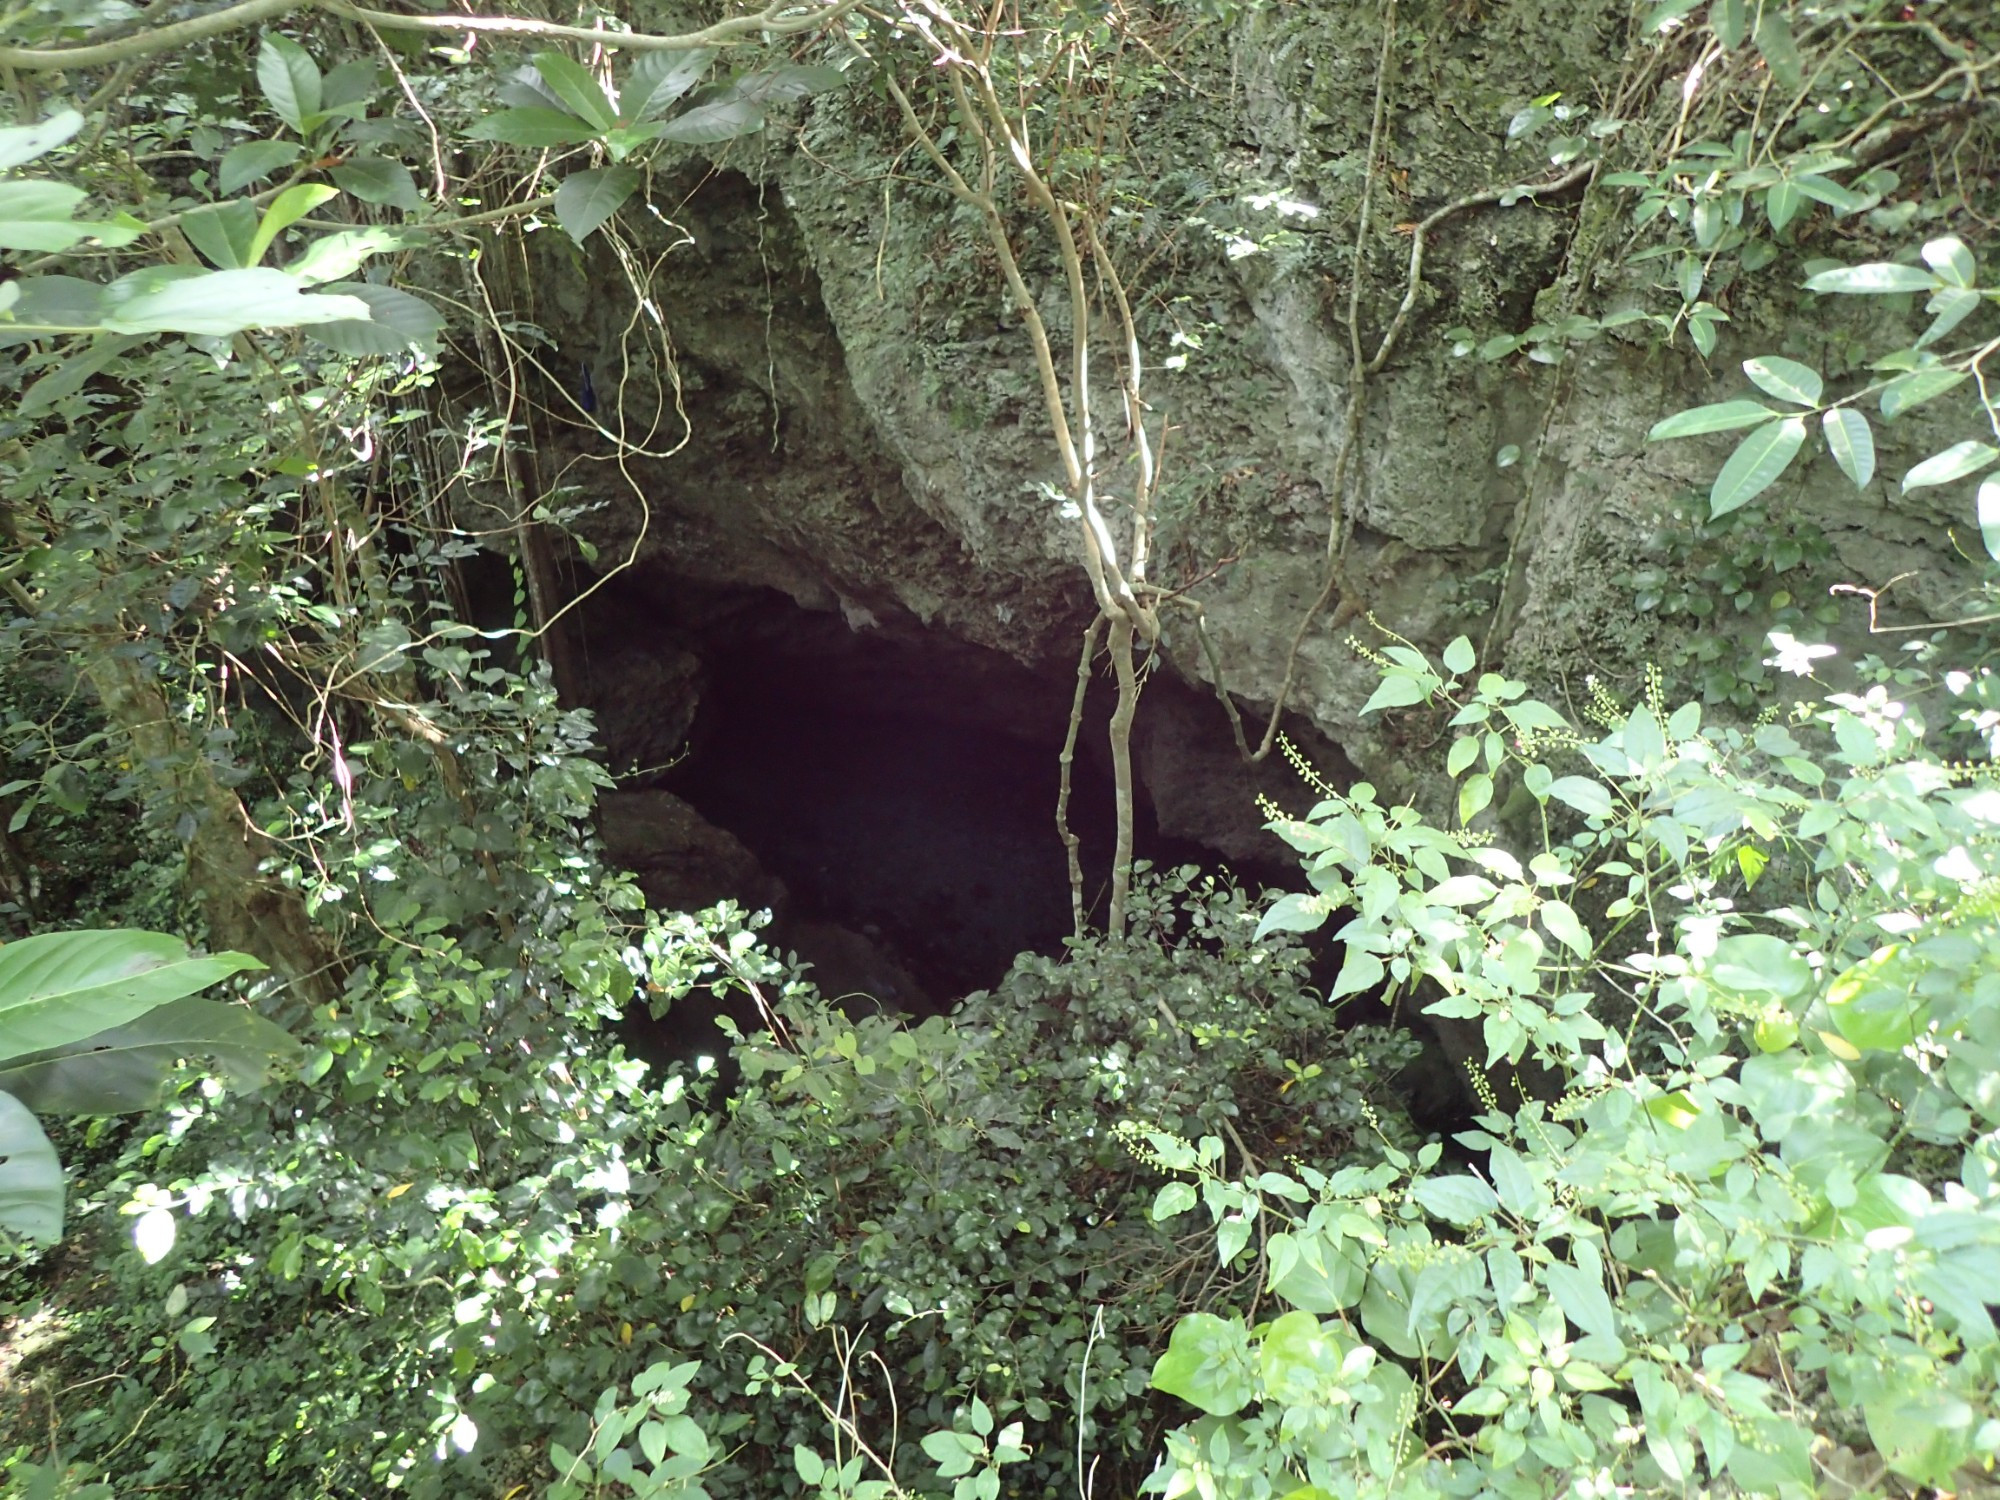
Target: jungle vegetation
{"points": [[321, 1169]]}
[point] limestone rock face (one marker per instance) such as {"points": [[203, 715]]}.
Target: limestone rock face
{"points": [[853, 417]]}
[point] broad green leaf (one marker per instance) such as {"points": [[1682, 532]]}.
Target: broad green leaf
{"points": [[1917, 387], [21, 144], [1950, 307], [1780, 52], [224, 233], [586, 199], [1782, 204], [375, 179], [579, 91], [31, 1177], [1726, 16], [1173, 1198], [219, 303], [1825, 190], [1989, 517], [1459, 657], [1723, 416], [290, 80], [1207, 1364], [66, 302], [1565, 928], [1293, 913], [538, 129], [285, 210], [121, 1069], [1298, 1359], [1951, 260], [1398, 690], [1873, 279], [1459, 1200], [1873, 1003], [1360, 970], [57, 988], [36, 215], [1786, 379], [1313, 1275], [337, 256], [720, 120], [252, 161], [1755, 465], [1957, 461], [1851, 441], [1588, 797], [352, 82], [657, 82], [1582, 1299], [397, 321], [1474, 797]]}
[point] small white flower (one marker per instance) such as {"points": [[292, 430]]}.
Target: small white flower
{"points": [[1794, 655]]}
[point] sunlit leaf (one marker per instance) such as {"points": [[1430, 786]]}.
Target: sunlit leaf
{"points": [[1756, 464], [290, 80], [579, 91], [1786, 379], [1989, 517], [1851, 441], [1957, 461], [31, 1176], [1873, 279], [285, 210], [1951, 260], [1723, 416], [21, 144], [1917, 387]]}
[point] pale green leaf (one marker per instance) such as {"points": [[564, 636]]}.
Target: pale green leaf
{"points": [[1786, 379], [1951, 260], [154, 1232], [573, 83], [1780, 51], [1957, 461], [1989, 517], [1917, 387], [219, 303], [57, 988], [396, 321], [31, 1177], [1723, 416], [1588, 797], [1756, 464], [290, 80], [1459, 657], [1873, 279], [285, 210], [1398, 690], [1207, 1364], [1851, 441], [21, 144], [1565, 928], [1459, 1200]]}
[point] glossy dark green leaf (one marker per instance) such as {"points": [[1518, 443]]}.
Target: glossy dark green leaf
{"points": [[1756, 465]]}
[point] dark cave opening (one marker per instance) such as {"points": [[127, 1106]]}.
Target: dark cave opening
{"points": [[899, 784]]}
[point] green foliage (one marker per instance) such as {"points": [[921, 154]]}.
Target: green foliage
{"points": [[1749, 1218], [89, 1024]]}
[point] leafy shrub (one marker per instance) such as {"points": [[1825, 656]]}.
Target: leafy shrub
{"points": [[1748, 1242]]}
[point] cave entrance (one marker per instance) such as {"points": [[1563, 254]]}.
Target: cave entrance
{"points": [[900, 784]]}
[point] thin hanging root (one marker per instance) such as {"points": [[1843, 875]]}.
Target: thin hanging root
{"points": [[1071, 844]]}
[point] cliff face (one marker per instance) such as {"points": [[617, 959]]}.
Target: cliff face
{"points": [[864, 431]]}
